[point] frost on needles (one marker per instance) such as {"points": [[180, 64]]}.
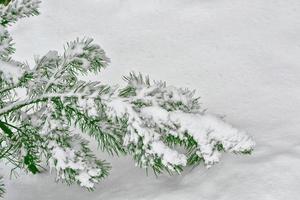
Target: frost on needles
{"points": [[162, 127]]}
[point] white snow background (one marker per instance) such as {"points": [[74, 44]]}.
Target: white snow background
{"points": [[242, 57]]}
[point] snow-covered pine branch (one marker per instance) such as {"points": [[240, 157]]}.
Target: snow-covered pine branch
{"points": [[6, 45], [151, 121], [31, 127], [18, 9], [162, 118], [55, 104], [2, 189]]}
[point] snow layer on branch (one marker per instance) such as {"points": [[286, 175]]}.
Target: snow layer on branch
{"points": [[158, 114], [11, 71], [151, 139], [65, 160], [206, 129], [86, 55], [168, 155], [6, 45]]}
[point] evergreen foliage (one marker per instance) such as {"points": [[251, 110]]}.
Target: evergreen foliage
{"points": [[2, 189], [5, 2], [148, 120]]}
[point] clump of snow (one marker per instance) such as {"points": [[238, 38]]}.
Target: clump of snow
{"points": [[63, 158], [84, 179], [88, 105], [10, 71], [75, 50], [167, 154], [3, 144]]}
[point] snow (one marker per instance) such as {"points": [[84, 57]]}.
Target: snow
{"points": [[22, 7], [207, 130], [168, 155], [5, 41], [67, 158], [241, 56], [85, 53], [84, 178], [10, 71]]}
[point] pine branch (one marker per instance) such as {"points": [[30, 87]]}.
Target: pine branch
{"points": [[74, 165], [109, 141], [6, 44], [17, 9], [161, 118], [43, 98], [147, 119], [2, 189]]}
